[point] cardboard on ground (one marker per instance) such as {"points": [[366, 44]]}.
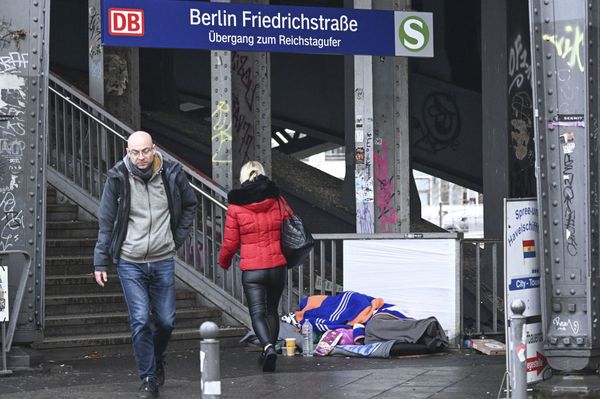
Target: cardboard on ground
{"points": [[489, 346]]}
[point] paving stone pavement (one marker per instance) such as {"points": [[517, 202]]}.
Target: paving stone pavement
{"points": [[454, 374]]}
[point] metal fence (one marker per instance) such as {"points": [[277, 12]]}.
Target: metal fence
{"points": [[85, 142], [483, 287]]}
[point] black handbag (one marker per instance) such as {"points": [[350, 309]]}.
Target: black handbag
{"points": [[296, 239]]}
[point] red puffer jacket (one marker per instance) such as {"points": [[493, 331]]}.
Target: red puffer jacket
{"points": [[254, 223]]}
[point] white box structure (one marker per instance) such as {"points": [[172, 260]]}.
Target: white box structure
{"points": [[420, 276]]}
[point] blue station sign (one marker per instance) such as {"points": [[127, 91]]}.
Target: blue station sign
{"points": [[257, 27]]}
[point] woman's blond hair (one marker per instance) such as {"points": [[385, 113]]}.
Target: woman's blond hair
{"points": [[250, 170]]}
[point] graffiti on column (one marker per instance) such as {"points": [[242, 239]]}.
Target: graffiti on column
{"points": [[439, 126], [569, 45], [94, 37], [243, 129], [568, 197], [13, 102], [116, 75], [363, 178], [520, 140], [384, 190], [221, 128], [242, 68]]}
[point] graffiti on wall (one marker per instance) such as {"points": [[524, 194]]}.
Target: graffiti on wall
{"points": [[363, 176], [221, 137], [13, 103], [384, 190], [520, 111], [95, 43], [569, 45], [243, 106], [439, 126]]}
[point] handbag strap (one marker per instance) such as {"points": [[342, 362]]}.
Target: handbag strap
{"points": [[285, 205]]}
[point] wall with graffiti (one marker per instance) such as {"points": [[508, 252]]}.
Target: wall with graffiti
{"points": [[520, 105], [23, 67], [446, 131]]}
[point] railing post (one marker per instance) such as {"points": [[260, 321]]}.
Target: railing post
{"points": [[210, 368], [4, 370], [518, 351]]}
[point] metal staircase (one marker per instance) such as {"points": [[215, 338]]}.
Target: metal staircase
{"points": [[81, 316], [84, 141]]}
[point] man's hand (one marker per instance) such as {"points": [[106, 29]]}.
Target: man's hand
{"points": [[101, 278]]}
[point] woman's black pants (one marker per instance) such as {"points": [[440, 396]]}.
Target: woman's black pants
{"points": [[263, 290]]}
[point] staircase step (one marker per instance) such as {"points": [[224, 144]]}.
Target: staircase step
{"points": [[101, 302], [104, 323], [71, 246], [70, 229], [227, 335], [80, 284], [50, 196], [61, 212], [65, 265]]}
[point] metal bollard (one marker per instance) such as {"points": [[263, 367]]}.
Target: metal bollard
{"points": [[210, 368], [518, 351]]}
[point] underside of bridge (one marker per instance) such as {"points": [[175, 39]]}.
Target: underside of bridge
{"points": [[311, 104]]}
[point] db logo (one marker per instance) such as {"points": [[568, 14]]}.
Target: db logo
{"points": [[125, 22]]}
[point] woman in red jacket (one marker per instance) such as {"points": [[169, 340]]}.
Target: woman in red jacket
{"points": [[253, 222]]}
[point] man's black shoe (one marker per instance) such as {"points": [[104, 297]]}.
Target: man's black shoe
{"points": [[148, 389], [160, 372], [270, 359]]}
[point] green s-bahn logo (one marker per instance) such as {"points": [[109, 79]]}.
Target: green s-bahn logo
{"points": [[413, 33]]}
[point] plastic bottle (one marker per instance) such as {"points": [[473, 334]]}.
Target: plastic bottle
{"points": [[307, 339]]}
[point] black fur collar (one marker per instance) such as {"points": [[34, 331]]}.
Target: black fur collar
{"points": [[253, 191]]}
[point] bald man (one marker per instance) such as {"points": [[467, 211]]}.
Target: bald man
{"points": [[146, 211]]}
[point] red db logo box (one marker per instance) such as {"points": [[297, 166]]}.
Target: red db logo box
{"points": [[125, 22]]}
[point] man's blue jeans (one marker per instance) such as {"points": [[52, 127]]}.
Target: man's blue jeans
{"points": [[149, 290]]}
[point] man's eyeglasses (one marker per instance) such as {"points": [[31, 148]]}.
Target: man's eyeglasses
{"points": [[137, 153]]}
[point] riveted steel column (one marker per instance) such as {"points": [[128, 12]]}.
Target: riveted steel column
{"points": [[23, 95], [391, 137], [95, 52], [251, 113], [221, 120], [363, 134], [566, 138]]}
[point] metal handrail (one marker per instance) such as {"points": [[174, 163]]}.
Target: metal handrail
{"points": [[85, 141]]}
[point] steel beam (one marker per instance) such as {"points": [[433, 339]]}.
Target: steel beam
{"points": [[564, 39], [23, 101]]}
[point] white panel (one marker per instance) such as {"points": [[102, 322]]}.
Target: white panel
{"points": [[417, 275]]}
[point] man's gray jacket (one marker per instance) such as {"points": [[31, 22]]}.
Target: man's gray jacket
{"points": [[113, 214]]}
